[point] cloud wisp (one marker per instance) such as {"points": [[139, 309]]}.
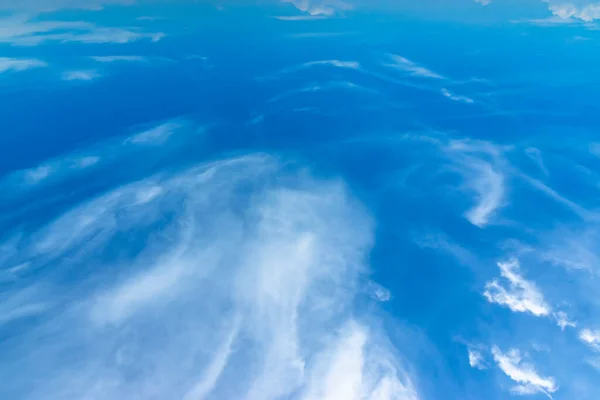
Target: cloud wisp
{"points": [[483, 168], [238, 282], [19, 64], [527, 379], [81, 75], [520, 295], [24, 31], [143, 141], [410, 67], [455, 97], [476, 359]]}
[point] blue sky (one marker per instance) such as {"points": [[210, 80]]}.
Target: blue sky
{"points": [[336, 199]]}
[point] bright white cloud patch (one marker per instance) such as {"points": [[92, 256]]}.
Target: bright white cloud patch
{"points": [[516, 292], [591, 338], [524, 374], [19, 64], [238, 281], [406, 65]]}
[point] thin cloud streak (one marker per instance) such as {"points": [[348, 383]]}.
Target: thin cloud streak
{"points": [[19, 64]]}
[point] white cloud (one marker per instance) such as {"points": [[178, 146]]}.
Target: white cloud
{"points": [[81, 75], [483, 2], [378, 292], [524, 374], [24, 31], [563, 320], [519, 295], [463, 99], [231, 279], [591, 338], [404, 64], [585, 10], [320, 7], [476, 359], [19, 64]]}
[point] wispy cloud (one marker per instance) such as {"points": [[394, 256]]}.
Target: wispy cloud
{"points": [[81, 75], [536, 156], [241, 283], [490, 188], [54, 5], [117, 59], [157, 135], [333, 63], [19, 64], [410, 67], [452, 96], [524, 374], [563, 320], [69, 165], [24, 31], [519, 295], [476, 359]]}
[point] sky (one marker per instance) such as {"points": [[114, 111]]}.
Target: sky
{"points": [[299, 199]]}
